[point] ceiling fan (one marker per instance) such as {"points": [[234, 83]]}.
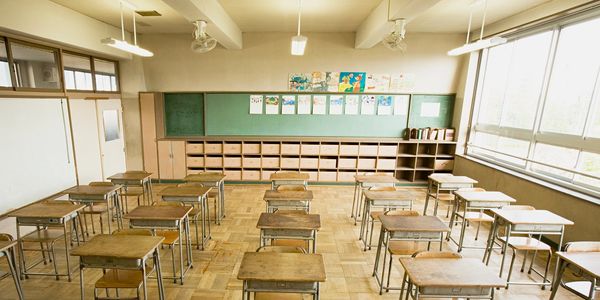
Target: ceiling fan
{"points": [[202, 42]]}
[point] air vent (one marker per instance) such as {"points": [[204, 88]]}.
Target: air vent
{"points": [[148, 13]]}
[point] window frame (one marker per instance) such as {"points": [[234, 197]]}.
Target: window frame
{"points": [[57, 59], [90, 59], [117, 75]]}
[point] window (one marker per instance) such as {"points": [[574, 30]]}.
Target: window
{"points": [[5, 80], [78, 72], [35, 67], [540, 114], [106, 75]]}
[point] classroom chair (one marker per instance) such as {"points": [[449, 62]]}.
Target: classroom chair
{"points": [[373, 216], [12, 263], [196, 213], [365, 187], [444, 198], [171, 239], [96, 209], [122, 279], [425, 254], [278, 296], [474, 216], [212, 194], [588, 285], [295, 243]]}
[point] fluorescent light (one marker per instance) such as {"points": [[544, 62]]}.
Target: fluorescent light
{"points": [[480, 44], [127, 47], [298, 44]]}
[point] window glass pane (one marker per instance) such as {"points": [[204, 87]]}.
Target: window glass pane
{"points": [[35, 67], [501, 146], [4, 69], [572, 81], [82, 67], [494, 84], [589, 163], [525, 79], [105, 72], [556, 156], [594, 130], [69, 80]]}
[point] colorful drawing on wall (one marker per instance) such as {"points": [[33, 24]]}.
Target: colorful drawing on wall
{"points": [[333, 81], [402, 83], [401, 104], [304, 104], [379, 83], [351, 105], [288, 104], [367, 106], [319, 82], [319, 104], [272, 104], [384, 105], [299, 82], [352, 82], [256, 104], [336, 104]]}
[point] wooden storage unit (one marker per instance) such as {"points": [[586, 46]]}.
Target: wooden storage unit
{"points": [[251, 175], [309, 163], [265, 175], [195, 161], [329, 149], [251, 148], [327, 163], [367, 150], [290, 163], [443, 165], [366, 163], [235, 175], [232, 162], [194, 148], [327, 176], [213, 162], [270, 163], [349, 149], [309, 149], [386, 164], [171, 160], [213, 148], [149, 134], [347, 163], [387, 150], [270, 149], [290, 149], [313, 176], [346, 176], [232, 148], [251, 162]]}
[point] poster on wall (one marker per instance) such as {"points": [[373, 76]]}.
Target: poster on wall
{"points": [[319, 82], [304, 104], [319, 105], [288, 104], [336, 104], [299, 82], [379, 83], [351, 105], [256, 104], [367, 106], [333, 81], [272, 104], [401, 105], [352, 82], [402, 83], [384, 105]]}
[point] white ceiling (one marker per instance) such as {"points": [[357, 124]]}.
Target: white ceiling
{"points": [[317, 15]]}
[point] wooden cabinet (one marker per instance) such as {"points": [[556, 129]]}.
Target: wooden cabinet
{"points": [[172, 159], [148, 125]]}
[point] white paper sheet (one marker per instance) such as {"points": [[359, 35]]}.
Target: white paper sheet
{"points": [[256, 104], [367, 106], [272, 105], [430, 110], [401, 104], [288, 104], [351, 105], [304, 104], [336, 104], [319, 105]]}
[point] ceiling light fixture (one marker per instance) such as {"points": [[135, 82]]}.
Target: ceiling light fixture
{"points": [[481, 43], [122, 44], [299, 41]]}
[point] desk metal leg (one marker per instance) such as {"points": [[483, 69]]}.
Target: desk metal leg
{"points": [[314, 250], [67, 251], [504, 247], [81, 287], [379, 244], [354, 200], [429, 184], [558, 277], [161, 288], [490, 242], [10, 258], [180, 255], [222, 196]]}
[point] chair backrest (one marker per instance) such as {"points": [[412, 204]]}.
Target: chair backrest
{"points": [[518, 207], [101, 183], [145, 232], [281, 249], [406, 213], [291, 188], [474, 189], [167, 203], [582, 247], [5, 237], [436, 254], [382, 188], [291, 211]]}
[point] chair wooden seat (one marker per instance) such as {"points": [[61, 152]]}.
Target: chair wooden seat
{"points": [[445, 197], [376, 214], [281, 249], [213, 193], [290, 243], [475, 216], [277, 296], [402, 248], [291, 211], [120, 279], [526, 243], [44, 235], [95, 210], [171, 236]]}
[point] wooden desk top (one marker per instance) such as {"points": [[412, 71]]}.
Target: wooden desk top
{"points": [[87, 190], [119, 246], [288, 195], [289, 176], [413, 223], [389, 195], [450, 272], [289, 221], [535, 217], [484, 196], [289, 267], [46, 210], [166, 212], [451, 179], [129, 176], [205, 177], [587, 261], [4, 245], [185, 191], [375, 179]]}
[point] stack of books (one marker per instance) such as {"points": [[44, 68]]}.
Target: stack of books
{"points": [[429, 133]]}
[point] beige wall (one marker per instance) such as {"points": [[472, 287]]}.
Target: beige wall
{"points": [[583, 213]]}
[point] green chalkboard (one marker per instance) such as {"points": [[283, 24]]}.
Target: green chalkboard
{"points": [[431, 111], [228, 114], [184, 114]]}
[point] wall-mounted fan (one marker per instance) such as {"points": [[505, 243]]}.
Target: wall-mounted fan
{"points": [[395, 40], [202, 42]]}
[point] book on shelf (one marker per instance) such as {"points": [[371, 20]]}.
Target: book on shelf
{"points": [[429, 133]]}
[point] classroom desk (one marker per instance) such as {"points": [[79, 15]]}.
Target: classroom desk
{"points": [[170, 218], [362, 182], [437, 183], [89, 195], [406, 228], [46, 215], [524, 222], [194, 196], [121, 252], [140, 179], [281, 272], [474, 203], [287, 200], [289, 226], [386, 200], [7, 249], [588, 262], [215, 180], [288, 178], [450, 278]]}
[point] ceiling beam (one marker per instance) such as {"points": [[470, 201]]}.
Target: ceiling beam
{"points": [[220, 25], [376, 26]]}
